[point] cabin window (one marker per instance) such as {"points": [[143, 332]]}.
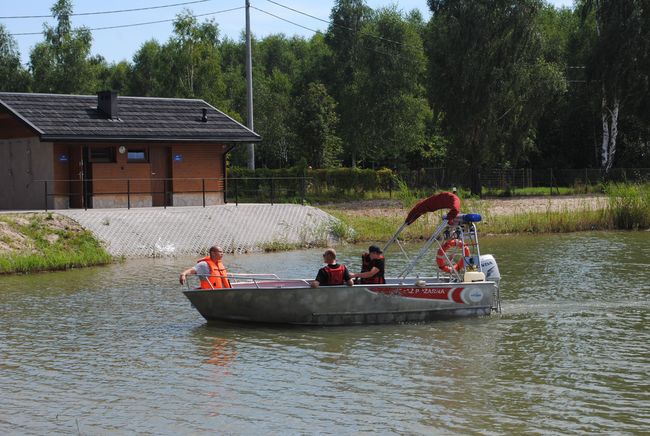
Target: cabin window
{"points": [[136, 155], [102, 155]]}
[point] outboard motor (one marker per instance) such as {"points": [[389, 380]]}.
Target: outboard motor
{"points": [[490, 268]]}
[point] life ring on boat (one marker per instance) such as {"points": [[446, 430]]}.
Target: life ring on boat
{"points": [[441, 258]]}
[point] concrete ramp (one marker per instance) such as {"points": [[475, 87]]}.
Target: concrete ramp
{"points": [[158, 232]]}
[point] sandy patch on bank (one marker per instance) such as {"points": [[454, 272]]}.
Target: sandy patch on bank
{"points": [[494, 206]]}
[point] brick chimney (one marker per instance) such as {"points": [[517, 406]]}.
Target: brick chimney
{"points": [[107, 103]]}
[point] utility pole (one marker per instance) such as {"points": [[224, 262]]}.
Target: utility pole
{"points": [[249, 86]]}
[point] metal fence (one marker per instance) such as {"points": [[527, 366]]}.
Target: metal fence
{"points": [[521, 178], [81, 193]]}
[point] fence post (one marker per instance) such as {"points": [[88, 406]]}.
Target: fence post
{"points": [[272, 178], [236, 193], [128, 193], [203, 190], [45, 195], [304, 189], [165, 194]]}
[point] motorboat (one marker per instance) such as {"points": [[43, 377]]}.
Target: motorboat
{"points": [[466, 283]]}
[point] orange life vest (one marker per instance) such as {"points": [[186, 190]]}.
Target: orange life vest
{"points": [[216, 269]]}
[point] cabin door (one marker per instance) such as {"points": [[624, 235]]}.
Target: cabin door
{"points": [[75, 178], [161, 184], [86, 179]]}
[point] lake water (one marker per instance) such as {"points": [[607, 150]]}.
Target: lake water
{"points": [[118, 349]]}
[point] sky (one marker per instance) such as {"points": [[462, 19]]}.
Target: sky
{"points": [[121, 44]]}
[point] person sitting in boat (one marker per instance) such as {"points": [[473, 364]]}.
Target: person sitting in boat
{"points": [[372, 266], [333, 273], [210, 269]]}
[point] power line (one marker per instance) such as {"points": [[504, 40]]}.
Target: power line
{"points": [[108, 12], [339, 25], [394, 55], [120, 26], [284, 19]]}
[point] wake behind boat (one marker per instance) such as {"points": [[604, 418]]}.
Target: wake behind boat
{"points": [[465, 284]]}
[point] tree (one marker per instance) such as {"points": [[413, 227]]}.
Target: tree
{"points": [[487, 77], [190, 61], [393, 66], [317, 121], [145, 77], [60, 63], [13, 77], [274, 115], [616, 62], [344, 39]]}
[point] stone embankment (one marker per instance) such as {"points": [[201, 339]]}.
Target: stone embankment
{"points": [[158, 232]]}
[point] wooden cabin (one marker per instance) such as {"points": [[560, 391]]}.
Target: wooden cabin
{"points": [[80, 151]]}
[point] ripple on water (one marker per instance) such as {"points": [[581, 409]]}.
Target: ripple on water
{"points": [[120, 350]]}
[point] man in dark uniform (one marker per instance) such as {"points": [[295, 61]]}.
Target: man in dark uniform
{"points": [[332, 273], [372, 269]]}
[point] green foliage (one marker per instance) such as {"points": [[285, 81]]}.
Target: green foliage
{"points": [[629, 205], [61, 64], [618, 65], [488, 77], [317, 121], [322, 185], [274, 111], [13, 77], [482, 83]]}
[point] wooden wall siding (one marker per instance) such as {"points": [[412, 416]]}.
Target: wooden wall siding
{"points": [[61, 170], [75, 174], [139, 173], [11, 128], [23, 162], [198, 162]]}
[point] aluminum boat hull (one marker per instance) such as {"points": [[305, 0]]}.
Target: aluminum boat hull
{"points": [[294, 302]]}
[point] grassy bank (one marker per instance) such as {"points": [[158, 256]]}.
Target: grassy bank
{"points": [[33, 242], [627, 208]]}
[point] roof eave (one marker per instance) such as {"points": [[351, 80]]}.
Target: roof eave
{"points": [[67, 138]]}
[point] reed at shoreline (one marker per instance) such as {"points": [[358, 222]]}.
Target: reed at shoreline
{"points": [[627, 208]]}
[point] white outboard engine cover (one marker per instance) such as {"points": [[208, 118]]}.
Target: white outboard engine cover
{"points": [[490, 268]]}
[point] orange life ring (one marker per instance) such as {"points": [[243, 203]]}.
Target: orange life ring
{"points": [[441, 258]]}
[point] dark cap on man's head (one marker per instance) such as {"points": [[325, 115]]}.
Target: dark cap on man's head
{"points": [[374, 249]]}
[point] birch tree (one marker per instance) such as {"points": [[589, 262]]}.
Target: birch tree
{"points": [[615, 62]]}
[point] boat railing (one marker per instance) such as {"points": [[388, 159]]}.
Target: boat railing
{"points": [[469, 237], [240, 279]]}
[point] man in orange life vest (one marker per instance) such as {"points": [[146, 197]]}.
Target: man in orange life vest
{"points": [[332, 273], [210, 270], [372, 269]]}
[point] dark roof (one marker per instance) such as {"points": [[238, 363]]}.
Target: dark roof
{"points": [[58, 117]]}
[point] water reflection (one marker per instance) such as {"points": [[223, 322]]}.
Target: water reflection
{"points": [[119, 349]]}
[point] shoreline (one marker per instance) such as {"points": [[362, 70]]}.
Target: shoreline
{"points": [[47, 241]]}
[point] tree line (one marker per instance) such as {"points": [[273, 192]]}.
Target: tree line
{"points": [[486, 83]]}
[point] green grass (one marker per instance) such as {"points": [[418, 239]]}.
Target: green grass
{"points": [[542, 191], [273, 246], [629, 205], [50, 248]]}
